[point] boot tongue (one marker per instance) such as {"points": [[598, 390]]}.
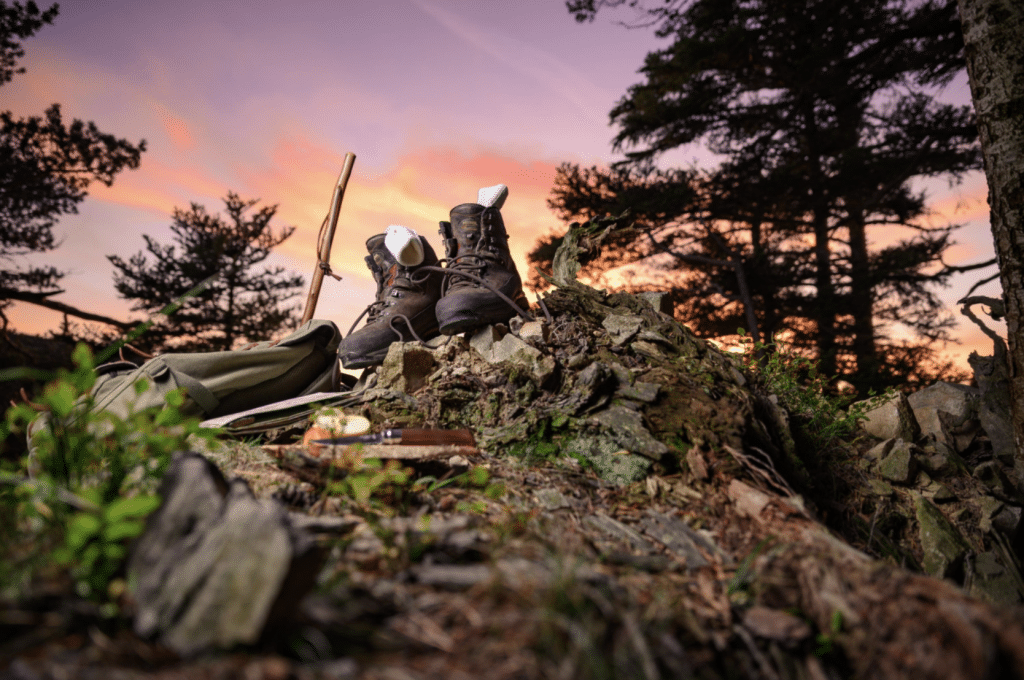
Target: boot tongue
{"points": [[466, 229], [379, 252], [381, 262]]}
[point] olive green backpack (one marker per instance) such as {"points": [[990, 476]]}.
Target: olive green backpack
{"points": [[220, 383]]}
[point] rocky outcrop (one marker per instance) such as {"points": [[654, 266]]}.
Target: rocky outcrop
{"points": [[944, 472], [640, 506]]}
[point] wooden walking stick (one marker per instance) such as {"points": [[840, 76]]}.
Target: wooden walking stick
{"points": [[323, 256]]}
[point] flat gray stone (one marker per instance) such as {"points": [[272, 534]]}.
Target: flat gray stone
{"points": [[622, 327], [938, 492], [513, 350], [990, 473], [657, 299], [955, 403], [551, 499], [988, 508], [483, 340], [620, 532], [677, 536], [1006, 520], [775, 624], [993, 582], [627, 428], [593, 383], [452, 576], [537, 331], [954, 399], [640, 391], [880, 488], [892, 419], [880, 451], [648, 349], [940, 459]]}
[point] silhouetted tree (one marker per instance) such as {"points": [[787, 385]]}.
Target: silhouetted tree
{"points": [[241, 304], [823, 112], [994, 33], [46, 166]]}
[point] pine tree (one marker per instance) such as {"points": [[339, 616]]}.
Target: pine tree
{"points": [[823, 112], [46, 166], [240, 305]]}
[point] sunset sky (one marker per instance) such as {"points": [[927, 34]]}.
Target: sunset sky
{"points": [[435, 97]]}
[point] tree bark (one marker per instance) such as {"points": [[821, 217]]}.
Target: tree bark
{"points": [[994, 40]]}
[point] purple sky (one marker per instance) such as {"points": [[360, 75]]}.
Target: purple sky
{"points": [[435, 97]]}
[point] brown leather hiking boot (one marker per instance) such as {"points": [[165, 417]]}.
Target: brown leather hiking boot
{"points": [[476, 243], [403, 310]]}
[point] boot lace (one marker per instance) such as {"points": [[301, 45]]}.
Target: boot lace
{"points": [[404, 281], [474, 264], [472, 278]]}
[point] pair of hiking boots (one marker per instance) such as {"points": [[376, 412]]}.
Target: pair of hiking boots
{"points": [[479, 285]]}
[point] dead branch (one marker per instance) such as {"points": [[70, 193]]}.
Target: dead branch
{"points": [[43, 300]]}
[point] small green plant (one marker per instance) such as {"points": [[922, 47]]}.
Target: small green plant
{"points": [[476, 477], [739, 584], [94, 542], [91, 479], [368, 479], [804, 392], [825, 641]]}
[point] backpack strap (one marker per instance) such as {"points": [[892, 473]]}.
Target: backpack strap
{"points": [[197, 392]]}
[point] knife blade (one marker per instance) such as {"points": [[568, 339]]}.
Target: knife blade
{"points": [[406, 436]]}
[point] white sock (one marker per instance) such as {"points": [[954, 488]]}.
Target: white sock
{"points": [[404, 244], [492, 196]]}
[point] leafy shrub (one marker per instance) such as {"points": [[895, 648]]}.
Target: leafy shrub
{"points": [[87, 484], [821, 415]]}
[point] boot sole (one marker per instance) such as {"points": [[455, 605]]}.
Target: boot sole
{"points": [[365, 361], [456, 318], [461, 324], [376, 358]]}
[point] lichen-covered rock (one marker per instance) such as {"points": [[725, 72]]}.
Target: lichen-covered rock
{"points": [[942, 545], [899, 465], [993, 581], [627, 429], [610, 460], [406, 367]]}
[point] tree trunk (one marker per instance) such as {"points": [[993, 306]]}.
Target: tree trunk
{"points": [[824, 311], [994, 40], [861, 305]]}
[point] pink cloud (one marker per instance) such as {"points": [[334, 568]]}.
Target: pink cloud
{"points": [[176, 129]]}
